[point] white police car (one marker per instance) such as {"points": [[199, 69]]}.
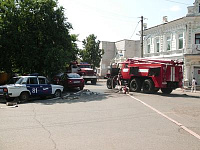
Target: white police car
{"points": [[28, 86]]}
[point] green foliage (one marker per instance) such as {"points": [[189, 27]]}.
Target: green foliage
{"points": [[75, 49], [91, 52], [34, 37]]}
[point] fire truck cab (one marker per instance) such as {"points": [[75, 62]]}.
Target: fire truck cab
{"points": [[148, 75]]}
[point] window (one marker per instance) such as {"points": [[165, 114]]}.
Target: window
{"points": [[126, 66], [157, 45], [148, 46], [168, 43], [32, 81], [199, 8], [180, 41], [42, 81], [73, 75], [197, 38]]}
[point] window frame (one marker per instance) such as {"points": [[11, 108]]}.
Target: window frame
{"points": [[168, 43], [157, 45], [148, 46], [180, 38], [197, 34]]}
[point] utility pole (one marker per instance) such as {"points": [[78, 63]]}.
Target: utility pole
{"points": [[141, 39]]}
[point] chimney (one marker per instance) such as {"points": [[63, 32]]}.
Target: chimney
{"points": [[165, 20]]}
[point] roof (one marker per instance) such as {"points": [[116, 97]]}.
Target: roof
{"points": [[32, 76], [164, 23]]}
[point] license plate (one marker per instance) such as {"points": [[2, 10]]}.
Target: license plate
{"points": [[76, 81]]}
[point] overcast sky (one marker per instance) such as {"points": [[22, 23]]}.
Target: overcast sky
{"points": [[114, 20]]}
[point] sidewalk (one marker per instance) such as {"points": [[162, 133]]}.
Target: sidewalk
{"points": [[186, 92]]}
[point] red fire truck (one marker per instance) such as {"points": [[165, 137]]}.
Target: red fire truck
{"points": [[85, 70], [148, 75]]}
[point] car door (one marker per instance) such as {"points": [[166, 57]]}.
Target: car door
{"points": [[44, 87], [32, 85]]}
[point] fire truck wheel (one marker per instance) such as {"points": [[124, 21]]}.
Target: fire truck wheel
{"points": [[148, 86], [109, 83], [135, 85], [166, 90]]}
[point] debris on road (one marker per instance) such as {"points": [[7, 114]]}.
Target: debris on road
{"points": [[72, 96], [10, 105]]}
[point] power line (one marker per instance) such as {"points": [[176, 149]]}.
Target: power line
{"points": [[135, 29], [177, 2]]}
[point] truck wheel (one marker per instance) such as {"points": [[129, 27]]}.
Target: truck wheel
{"points": [[148, 86], [57, 93], [166, 90], [24, 96], [94, 82], [81, 88], [135, 85], [109, 83]]}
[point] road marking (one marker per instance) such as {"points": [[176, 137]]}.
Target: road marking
{"points": [[170, 119]]}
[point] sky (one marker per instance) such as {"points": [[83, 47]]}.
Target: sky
{"points": [[115, 20]]}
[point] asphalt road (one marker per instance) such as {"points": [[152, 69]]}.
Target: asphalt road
{"points": [[104, 120]]}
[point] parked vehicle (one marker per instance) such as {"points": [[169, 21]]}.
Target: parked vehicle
{"points": [[148, 75], [29, 86], [85, 70], [69, 80]]}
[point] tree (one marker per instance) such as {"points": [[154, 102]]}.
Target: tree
{"points": [[75, 49], [91, 52], [34, 37]]}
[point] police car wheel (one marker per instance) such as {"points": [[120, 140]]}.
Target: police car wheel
{"points": [[24, 96], [57, 93]]}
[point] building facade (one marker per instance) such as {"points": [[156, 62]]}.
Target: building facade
{"points": [[115, 52], [178, 39]]}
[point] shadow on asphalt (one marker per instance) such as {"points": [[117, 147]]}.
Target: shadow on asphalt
{"points": [[95, 84], [70, 97]]}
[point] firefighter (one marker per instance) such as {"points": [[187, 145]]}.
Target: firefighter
{"points": [[119, 82], [193, 87]]}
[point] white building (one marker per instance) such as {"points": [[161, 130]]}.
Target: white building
{"points": [[178, 39], [117, 52]]}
